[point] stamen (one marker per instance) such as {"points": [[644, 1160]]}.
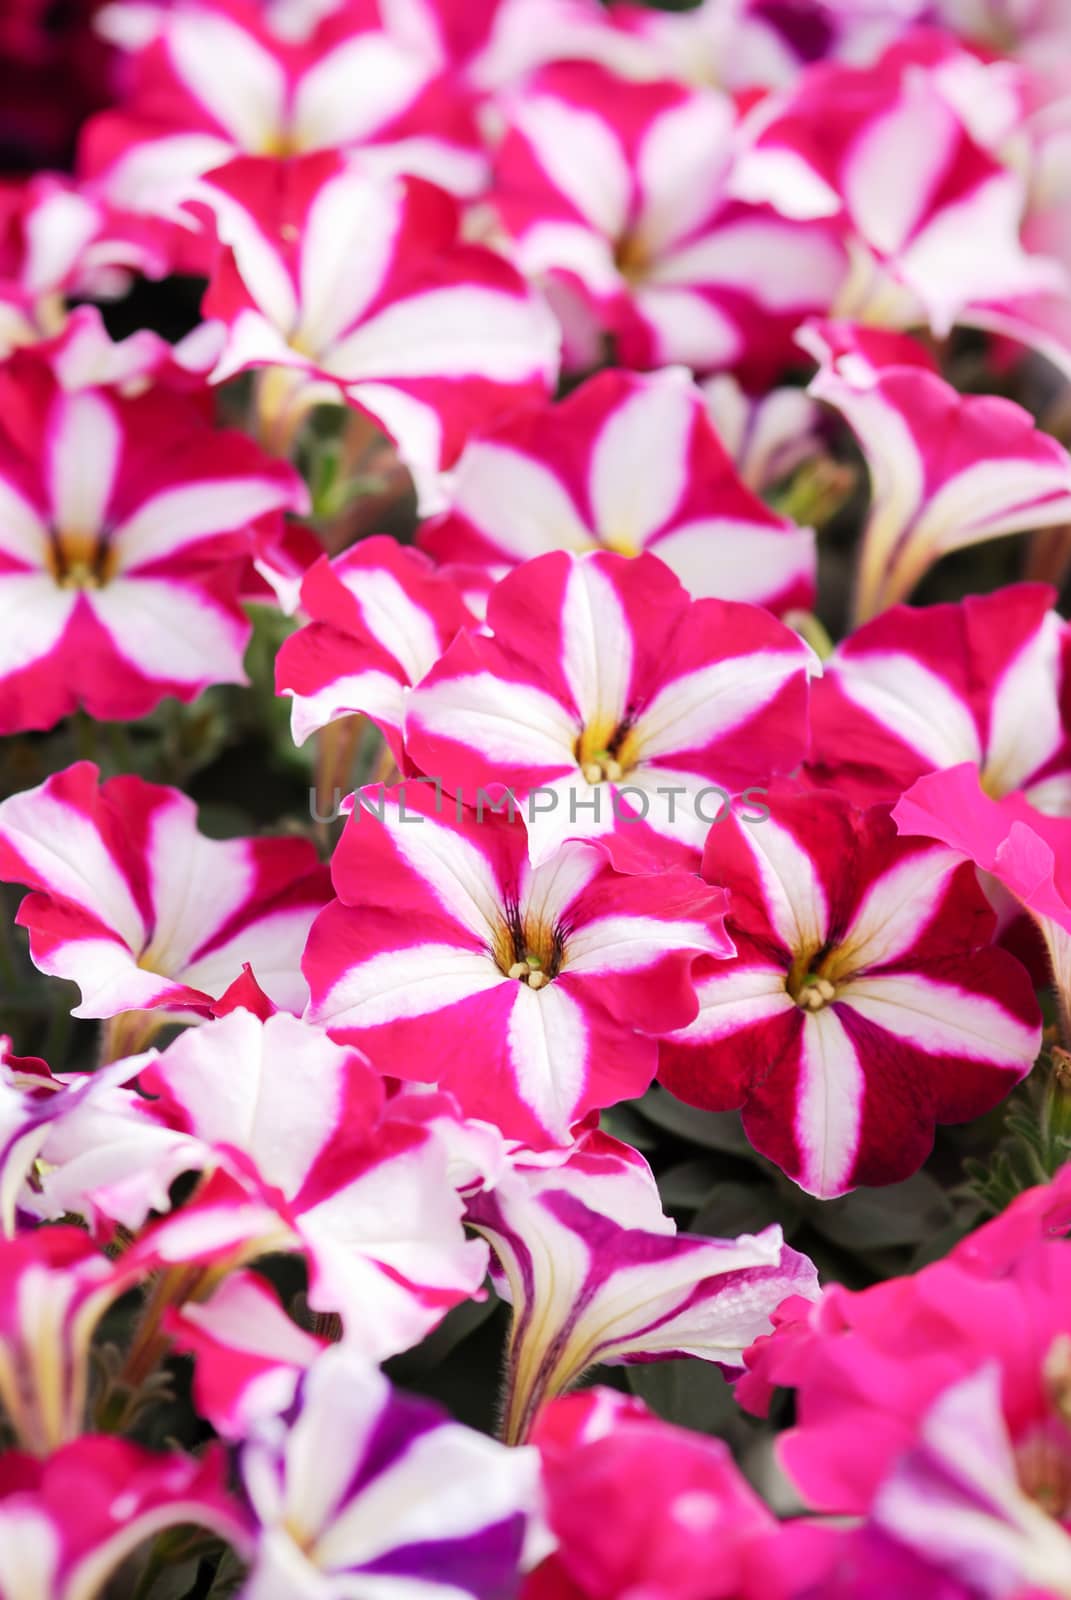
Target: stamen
{"points": [[815, 992], [603, 766]]}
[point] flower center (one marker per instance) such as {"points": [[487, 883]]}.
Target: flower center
{"points": [[529, 949], [81, 560], [814, 992], [606, 752], [632, 257], [1043, 1467], [812, 980]]}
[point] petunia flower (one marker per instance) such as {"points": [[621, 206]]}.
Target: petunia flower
{"points": [[625, 463], [958, 1379], [901, 170], [612, 707], [216, 80], [641, 1507], [57, 241], [597, 1274], [55, 1285], [380, 618], [616, 195], [430, 336], [923, 688], [68, 1523], [297, 1150], [247, 1353], [125, 524], [946, 470], [1027, 852], [865, 1002], [141, 910], [359, 1488], [533, 994], [767, 435], [963, 1498]]}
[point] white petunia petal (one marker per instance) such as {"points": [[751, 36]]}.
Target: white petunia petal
{"points": [[639, 467], [406, 983], [516, 502], [829, 1112]]}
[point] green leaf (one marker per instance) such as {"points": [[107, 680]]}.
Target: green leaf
{"points": [[881, 1219], [730, 1208], [693, 1394], [713, 1130], [685, 1185]]}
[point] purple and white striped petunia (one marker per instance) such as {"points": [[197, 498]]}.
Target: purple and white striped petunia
{"points": [[625, 463], [611, 706], [920, 689], [616, 194], [362, 287], [596, 1273], [141, 910], [380, 619], [359, 1489], [533, 994], [946, 470], [865, 1002], [125, 529]]}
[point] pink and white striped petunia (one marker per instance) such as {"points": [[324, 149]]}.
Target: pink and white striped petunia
{"points": [[141, 910], [362, 286], [530, 993], [56, 241], [616, 195], [767, 435], [124, 529], [32, 1103], [360, 1489], [69, 1522], [55, 1285], [889, 156], [380, 619], [916, 690], [597, 1274], [963, 1498], [625, 463], [301, 1152], [865, 1002], [216, 81], [748, 44], [946, 470], [28, 1102], [609, 705], [247, 1353]]}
